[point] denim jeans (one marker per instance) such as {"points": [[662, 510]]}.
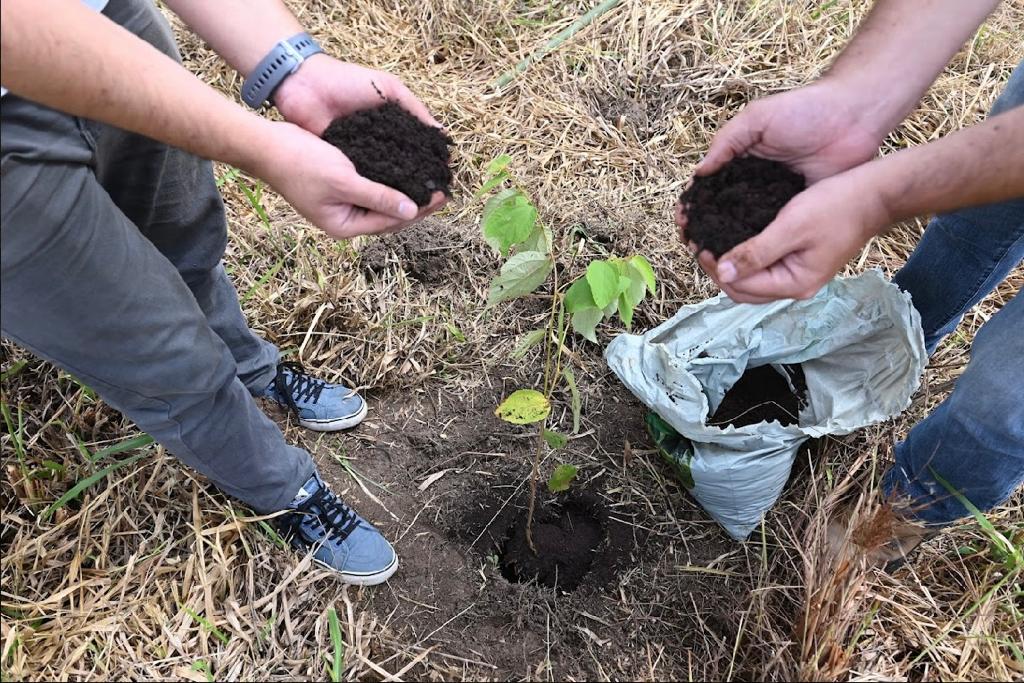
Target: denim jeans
{"points": [[111, 269], [974, 440]]}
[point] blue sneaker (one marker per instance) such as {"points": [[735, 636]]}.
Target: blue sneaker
{"points": [[338, 537], [319, 405]]}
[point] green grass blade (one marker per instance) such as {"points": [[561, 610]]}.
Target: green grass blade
{"points": [[263, 280], [82, 485], [127, 445], [13, 370], [338, 661], [208, 625]]}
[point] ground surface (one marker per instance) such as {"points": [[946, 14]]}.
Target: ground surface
{"points": [[147, 572]]}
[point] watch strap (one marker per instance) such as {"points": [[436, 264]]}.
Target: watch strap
{"points": [[283, 60]]}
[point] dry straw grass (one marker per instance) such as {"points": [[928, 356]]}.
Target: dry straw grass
{"points": [[152, 574]]}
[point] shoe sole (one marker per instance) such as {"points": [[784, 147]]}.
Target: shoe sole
{"points": [[359, 579], [337, 424]]}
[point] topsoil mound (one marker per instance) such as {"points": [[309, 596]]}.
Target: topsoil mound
{"points": [[736, 203], [389, 145]]}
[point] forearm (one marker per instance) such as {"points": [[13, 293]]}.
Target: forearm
{"points": [[240, 31], [898, 51], [978, 165], [62, 55]]}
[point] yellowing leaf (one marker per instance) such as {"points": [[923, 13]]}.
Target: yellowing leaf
{"points": [[523, 407]]}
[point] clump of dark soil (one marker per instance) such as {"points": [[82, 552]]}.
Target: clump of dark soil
{"points": [[389, 145], [761, 395], [736, 203], [566, 536]]}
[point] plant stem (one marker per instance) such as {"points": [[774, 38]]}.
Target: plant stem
{"points": [[534, 478]]}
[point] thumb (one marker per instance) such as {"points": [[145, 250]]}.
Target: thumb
{"points": [[378, 198], [757, 253], [734, 139]]}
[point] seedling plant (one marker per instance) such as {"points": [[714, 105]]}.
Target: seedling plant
{"points": [[610, 286]]}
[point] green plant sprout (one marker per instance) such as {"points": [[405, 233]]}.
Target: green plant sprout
{"points": [[610, 286]]}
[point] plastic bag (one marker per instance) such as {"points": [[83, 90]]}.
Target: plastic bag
{"points": [[859, 341]]}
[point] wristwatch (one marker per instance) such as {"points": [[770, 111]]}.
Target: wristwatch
{"points": [[281, 62]]}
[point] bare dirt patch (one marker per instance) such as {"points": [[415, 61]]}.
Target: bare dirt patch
{"points": [[431, 252]]}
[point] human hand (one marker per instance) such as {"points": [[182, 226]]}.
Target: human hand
{"points": [[325, 88], [322, 184], [819, 130], [810, 241]]}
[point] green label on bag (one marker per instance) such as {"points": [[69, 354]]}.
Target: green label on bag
{"points": [[673, 448]]}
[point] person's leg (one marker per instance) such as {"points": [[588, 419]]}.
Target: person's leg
{"points": [[974, 440], [82, 288], [963, 255], [172, 197]]}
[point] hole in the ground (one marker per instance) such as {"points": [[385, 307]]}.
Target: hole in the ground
{"points": [[566, 535]]}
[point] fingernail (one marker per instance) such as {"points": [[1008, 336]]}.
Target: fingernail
{"points": [[726, 272], [407, 210]]}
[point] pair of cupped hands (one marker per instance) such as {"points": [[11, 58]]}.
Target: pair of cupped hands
{"points": [[815, 130]]}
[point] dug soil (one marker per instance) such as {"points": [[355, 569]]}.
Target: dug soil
{"points": [[450, 485], [738, 202], [389, 145], [762, 395]]}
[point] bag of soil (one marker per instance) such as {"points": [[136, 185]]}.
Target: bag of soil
{"points": [[858, 342]]}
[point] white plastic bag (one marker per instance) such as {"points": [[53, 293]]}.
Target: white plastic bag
{"points": [[859, 341]]}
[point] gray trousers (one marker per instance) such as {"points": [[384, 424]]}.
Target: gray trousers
{"points": [[111, 269]]}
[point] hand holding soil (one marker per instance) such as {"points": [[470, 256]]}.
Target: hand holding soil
{"points": [[818, 130], [808, 243], [323, 185]]}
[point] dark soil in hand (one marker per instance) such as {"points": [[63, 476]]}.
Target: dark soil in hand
{"points": [[761, 395], [566, 535], [737, 202], [389, 145]]}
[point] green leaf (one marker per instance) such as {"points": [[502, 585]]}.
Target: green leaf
{"points": [[578, 296], [523, 407], [521, 274], [539, 240], [624, 283], [337, 644], [603, 281], [555, 440], [643, 267], [491, 184], [499, 164], [636, 292], [508, 219], [585, 320], [561, 478], [626, 310], [577, 404], [456, 332], [529, 340]]}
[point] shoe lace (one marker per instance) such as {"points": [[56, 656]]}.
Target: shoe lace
{"points": [[338, 519], [293, 383]]}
